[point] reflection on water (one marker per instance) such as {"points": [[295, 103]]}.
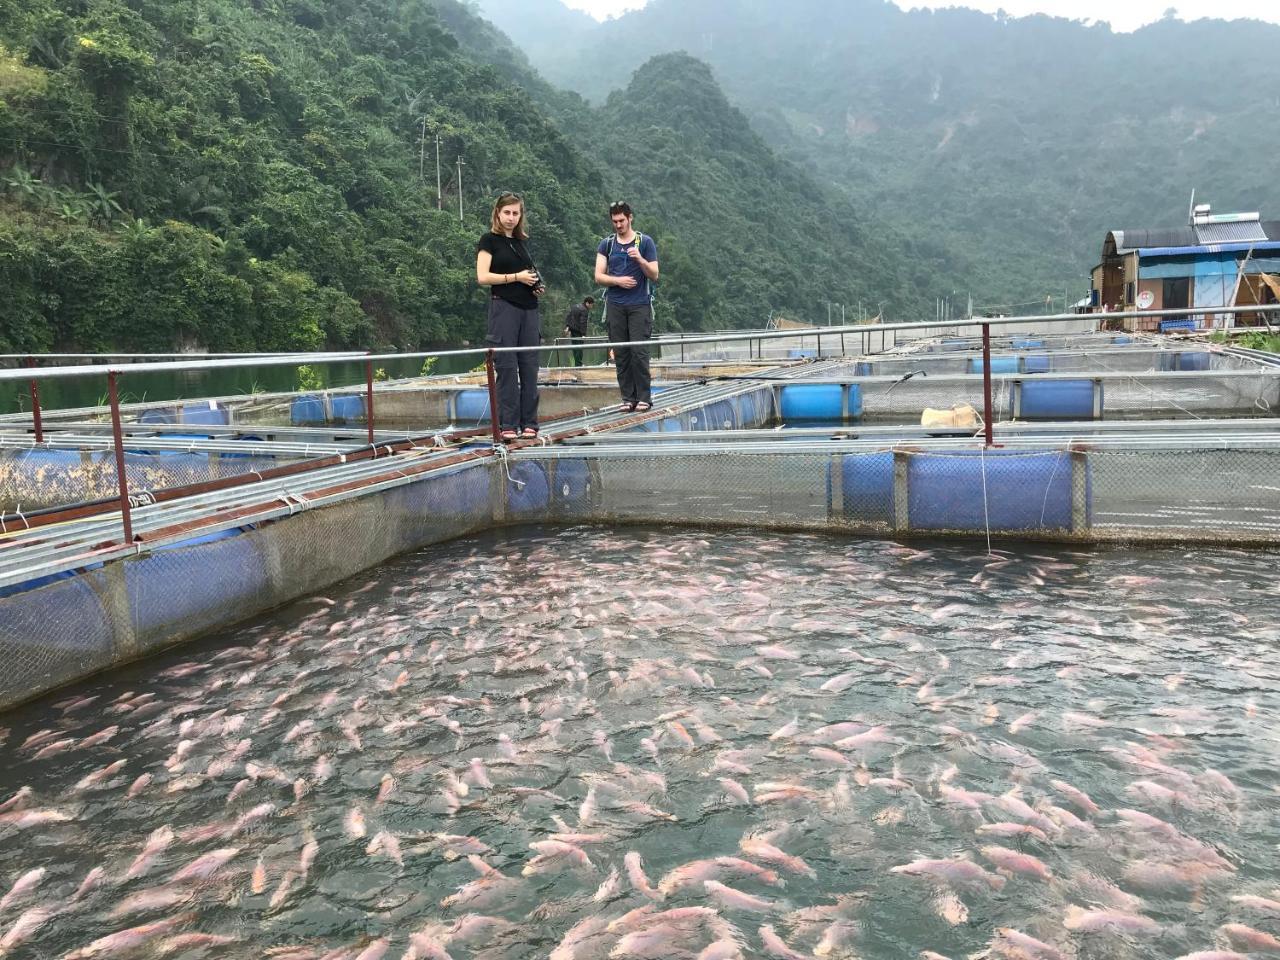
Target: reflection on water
{"points": [[659, 743], [242, 381]]}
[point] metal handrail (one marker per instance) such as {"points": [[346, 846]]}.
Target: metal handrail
{"points": [[46, 373]]}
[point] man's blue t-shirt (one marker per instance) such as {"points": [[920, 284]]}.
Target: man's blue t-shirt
{"points": [[620, 264]]}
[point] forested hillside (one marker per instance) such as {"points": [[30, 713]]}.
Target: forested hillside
{"points": [[213, 174], [234, 176], [748, 234], [1006, 146]]}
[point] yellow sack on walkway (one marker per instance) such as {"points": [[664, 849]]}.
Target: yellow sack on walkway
{"points": [[960, 417]]}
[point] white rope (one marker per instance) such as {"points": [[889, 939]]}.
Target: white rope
{"points": [[1155, 394], [504, 457], [1061, 455]]}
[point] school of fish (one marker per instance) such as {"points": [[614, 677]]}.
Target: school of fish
{"points": [[588, 743]]}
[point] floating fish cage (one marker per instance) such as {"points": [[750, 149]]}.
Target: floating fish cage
{"points": [[1115, 440]]}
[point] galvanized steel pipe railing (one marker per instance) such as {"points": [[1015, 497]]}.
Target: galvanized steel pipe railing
{"points": [[113, 371]]}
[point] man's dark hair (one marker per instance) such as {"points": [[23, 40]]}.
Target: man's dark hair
{"points": [[589, 301], [619, 206]]}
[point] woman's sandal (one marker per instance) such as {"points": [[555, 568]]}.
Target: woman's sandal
{"points": [[509, 436], [626, 406], [529, 433], [644, 406]]}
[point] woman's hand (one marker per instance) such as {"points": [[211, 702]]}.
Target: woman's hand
{"points": [[527, 277]]}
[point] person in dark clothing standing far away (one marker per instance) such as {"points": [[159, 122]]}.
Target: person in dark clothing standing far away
{"points": [[504, 265], [627, 266], [575, 326]]}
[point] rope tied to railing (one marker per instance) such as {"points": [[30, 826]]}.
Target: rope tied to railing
{"points": [[504, 457]]}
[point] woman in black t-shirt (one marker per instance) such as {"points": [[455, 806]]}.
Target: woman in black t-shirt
{"points": [[504, 265]]}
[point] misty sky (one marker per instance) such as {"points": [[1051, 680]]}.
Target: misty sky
{"points": [[1133, 13]]}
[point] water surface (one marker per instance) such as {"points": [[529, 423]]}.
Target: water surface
{"points": [[791, 717]]}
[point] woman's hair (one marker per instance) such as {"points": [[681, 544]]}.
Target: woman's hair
{"points": [[506, 200]]}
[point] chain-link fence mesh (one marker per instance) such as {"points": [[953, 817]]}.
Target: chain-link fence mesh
{"points": [[1086, 398], [85, 620], [40, 478], [1104, 494], [1105, 360]]}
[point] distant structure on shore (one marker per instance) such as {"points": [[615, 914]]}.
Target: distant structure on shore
{"points": [[1215, 260]]}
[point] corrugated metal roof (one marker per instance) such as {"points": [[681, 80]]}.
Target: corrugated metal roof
{"points": [[1129, 240], [1252, 231], [1249, 231]]}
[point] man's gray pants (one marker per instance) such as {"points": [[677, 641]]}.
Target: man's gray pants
{"points": [[632, 363]]}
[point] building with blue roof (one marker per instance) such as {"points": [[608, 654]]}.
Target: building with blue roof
{"points": [[1216, 260]]}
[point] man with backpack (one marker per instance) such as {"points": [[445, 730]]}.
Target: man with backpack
{"points": [[627, 266]]}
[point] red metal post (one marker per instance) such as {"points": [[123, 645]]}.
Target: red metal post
{"points": [[35, 403], [986, 383], [117, 434], [368, 398], [493, 397]]}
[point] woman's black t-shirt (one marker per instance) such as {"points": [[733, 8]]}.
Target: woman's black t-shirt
{"points": [[509, 256]]}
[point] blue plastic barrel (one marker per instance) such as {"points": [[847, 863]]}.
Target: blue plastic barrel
{"points": [[306, 409], [812, 401], [461, 495], [1058, 400], [218, 573], [572, 490], [472, 406], [530, 495], [755, 408], [348, 408], [1021, 491], [1022, 343], [1184, 360], [866, 487], [855, 400], [720, 415], [201, 414], [862, 368], [1193, 361], [1036, 363], [998, 364], [67, 620]]}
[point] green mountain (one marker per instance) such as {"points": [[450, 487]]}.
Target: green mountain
{"points": [[253, 176], [1005, 146], [744, 233], [208, 173]]}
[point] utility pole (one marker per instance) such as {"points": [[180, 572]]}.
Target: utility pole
{"points": [[422, 152], [439, 189], [461, 164]]}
